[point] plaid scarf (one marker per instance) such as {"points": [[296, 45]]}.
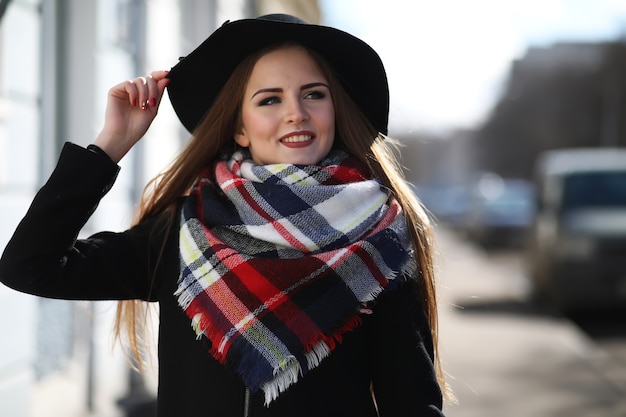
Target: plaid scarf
{"points": [[278, 261]]}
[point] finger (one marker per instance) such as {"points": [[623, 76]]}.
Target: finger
{"points": [[153, 91], [131, 91], [141, 84], [161, 82], [125, 91], [159, 75]]}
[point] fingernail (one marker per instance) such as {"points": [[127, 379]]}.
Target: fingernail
{"points": [[135, 103], [153, 101]]}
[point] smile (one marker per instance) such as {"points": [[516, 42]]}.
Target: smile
{"points": [[297, 139]]}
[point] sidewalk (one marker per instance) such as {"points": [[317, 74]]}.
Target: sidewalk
{"points": [[504, 358]]}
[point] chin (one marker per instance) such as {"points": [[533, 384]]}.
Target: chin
{"points": [[305, 161]]}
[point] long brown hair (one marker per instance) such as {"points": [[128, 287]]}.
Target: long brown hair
{"points": [[354, 133]]}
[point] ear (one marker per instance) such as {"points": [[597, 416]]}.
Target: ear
{"points": [[242, 139]]}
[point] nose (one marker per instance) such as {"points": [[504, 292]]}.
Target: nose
{"points": [[296, 111]]}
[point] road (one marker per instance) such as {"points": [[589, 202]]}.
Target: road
{"points": [[504, 357]]}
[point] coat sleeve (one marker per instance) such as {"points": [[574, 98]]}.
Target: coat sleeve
{"points": [[44, 256], [404, 379]]}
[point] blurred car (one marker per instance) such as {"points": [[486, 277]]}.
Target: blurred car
{"points": [[448, 204], [577, 252], [500, 212]]}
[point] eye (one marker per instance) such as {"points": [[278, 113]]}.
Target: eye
{"points": [[315, 95], [269, 101]]}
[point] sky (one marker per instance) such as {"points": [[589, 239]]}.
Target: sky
{"points": [[447, 60]]}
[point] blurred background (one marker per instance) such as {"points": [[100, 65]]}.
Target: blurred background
{"points": [[512, 117]]}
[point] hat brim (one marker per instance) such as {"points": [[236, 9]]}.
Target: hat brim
{"points": [[358, 66]]}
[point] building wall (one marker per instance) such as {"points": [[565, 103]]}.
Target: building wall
{"points": [[58, 58], [307, 10], [19, 132]]}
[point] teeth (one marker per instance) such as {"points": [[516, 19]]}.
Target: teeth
{"points": [[299, 138]]}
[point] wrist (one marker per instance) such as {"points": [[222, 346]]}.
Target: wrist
{"points": [[97, 150], [113, 148]]}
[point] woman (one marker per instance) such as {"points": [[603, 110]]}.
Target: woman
{"points": [[291, 263]]}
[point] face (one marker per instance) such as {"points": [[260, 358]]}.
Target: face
{"points": [[287, 111]]}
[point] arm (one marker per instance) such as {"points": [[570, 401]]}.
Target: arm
{"points": [[404, 381], [44, 257]]}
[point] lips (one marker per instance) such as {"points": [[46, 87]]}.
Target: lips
{"points": [[299, 139]]}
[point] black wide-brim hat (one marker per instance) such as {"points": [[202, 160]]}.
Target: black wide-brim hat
{"points": [[358, 66]]}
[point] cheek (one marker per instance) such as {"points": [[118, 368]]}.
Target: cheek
{"points": [[329, 122], [257, 125], [331, 117], [325, 118]]}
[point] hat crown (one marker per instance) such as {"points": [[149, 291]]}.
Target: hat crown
{"points": [[281, 17]]}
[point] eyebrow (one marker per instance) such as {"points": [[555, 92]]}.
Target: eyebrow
{"points": [[278, 90]]}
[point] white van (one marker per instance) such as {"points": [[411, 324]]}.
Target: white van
{"points": [[577, 249]]}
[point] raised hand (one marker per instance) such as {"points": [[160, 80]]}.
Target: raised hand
{"points": [[131, 107]]}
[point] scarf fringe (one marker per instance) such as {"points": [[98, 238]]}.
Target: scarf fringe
{"points": [[283, 379], [201, 326], [288, 374], [183, 297]]}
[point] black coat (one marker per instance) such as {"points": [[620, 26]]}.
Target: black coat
{"points": [[391, 351]]}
